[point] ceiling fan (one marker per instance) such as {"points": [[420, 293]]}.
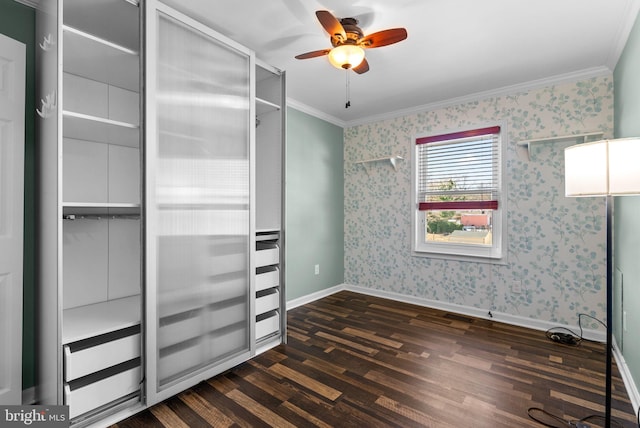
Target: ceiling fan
{"points": [[349, 42]]}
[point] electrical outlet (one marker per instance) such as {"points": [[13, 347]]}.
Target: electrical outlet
{"points": [[317, 270], [516, 287]]}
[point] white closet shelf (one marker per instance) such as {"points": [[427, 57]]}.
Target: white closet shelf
{"points": [[99, 318], [263, 106], [393, 160], [97, 59], [99, 18], [106, 209], [91, 128], [577, 138]]}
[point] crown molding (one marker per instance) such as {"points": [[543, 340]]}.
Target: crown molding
{"points": [[315, 112], [30, 3], [505, 90], [624, 30]]}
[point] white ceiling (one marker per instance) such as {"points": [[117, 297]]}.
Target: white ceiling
{"points": [[456, 49]]}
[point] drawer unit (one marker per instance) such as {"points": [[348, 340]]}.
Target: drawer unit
{"points": [[96, 394], [189, 325], [267, 326], [267, 277], [269, 310], [179, 329], [180, 358], [267, 253], [184, 357], [101, 369], [95, 358], [228, 263], [267, 302]]}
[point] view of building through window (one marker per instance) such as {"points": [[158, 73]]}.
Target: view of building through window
{"points": [[467, 226]]}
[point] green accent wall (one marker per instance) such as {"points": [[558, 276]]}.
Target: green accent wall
{"points": [[627, 227], [314, 229], [19, 22]]}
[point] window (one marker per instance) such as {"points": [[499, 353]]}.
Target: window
{"points": [[458, 188]]}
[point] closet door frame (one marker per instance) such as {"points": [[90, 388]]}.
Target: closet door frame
{"points": [[153, 394], [49, 219]]}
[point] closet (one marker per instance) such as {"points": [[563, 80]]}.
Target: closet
{"points": [[160, 231], [90, 244], [270, 121]]}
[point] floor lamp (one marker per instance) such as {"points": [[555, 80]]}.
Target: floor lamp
{"points": [[604, 168]]}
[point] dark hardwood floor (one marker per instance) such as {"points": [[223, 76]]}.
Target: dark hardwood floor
{"points": [[359, 361]]}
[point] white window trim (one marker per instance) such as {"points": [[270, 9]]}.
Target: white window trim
{"points": [[497, 252]]}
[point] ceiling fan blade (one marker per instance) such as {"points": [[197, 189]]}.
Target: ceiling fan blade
{"points": [[384, 38], [331, 24], [363, 67], [313, 54]]}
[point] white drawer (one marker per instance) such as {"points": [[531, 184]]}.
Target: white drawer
{"points": [[268, 256], [199, 323], [226, 263], [267, 326], [267, 303], [267, 279], [179, 331], [180, 360], [204, 351], [225, 316], [99, 357], [94, 395]]}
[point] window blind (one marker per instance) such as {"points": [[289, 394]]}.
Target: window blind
{"points": [[459, 171]]}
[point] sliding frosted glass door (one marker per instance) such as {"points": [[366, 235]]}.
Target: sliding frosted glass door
{"points": [[200, 224]]}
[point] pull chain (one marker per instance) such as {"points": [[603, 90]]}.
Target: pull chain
{"points": [[348, 90]]}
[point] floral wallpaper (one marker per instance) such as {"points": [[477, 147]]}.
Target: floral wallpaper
{"points": [[556, 245]]}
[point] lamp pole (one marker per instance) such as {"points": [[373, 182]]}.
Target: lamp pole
{"points": [[604, 168], [609, 220]]}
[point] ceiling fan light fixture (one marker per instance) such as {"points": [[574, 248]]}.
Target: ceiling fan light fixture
{"points": [[346, 56]]}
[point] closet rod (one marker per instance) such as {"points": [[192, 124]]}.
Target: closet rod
{"points": [[100, 217]]}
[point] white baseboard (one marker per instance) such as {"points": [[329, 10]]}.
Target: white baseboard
{"points": [[599, 336], [520, 321], [314, 296], [625, 374]]}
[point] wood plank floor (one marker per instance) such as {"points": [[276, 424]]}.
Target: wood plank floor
{"points": [[359, 361]]}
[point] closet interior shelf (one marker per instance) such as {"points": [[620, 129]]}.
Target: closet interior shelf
{"points": [[577, 138], [391, 159], [100, 318]]}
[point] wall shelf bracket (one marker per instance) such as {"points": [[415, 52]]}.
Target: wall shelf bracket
{"points": [[577, 138], [393, 160]]}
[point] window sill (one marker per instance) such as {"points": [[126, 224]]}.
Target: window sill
{"points": [[461, 257]]}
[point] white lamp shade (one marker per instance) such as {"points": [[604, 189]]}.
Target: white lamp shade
{"points": [[346, 56], [606, 167], [624, 166]]}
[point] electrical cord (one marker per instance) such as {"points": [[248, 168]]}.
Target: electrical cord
{"points": [[556, 334], [554, 419], [551, 416]]}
